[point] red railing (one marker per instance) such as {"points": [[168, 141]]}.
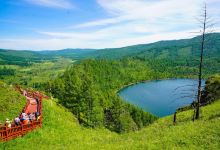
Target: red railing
{"points": [[7, 133]]}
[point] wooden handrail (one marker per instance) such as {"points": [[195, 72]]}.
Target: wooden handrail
{"points": [[7, 134]]}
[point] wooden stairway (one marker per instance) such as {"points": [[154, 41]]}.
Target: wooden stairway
{"points": [[31, 106]]}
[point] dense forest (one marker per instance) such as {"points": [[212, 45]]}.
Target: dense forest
{"points": [[163, 49], [6, 72], [212, 89], [89, 90]]}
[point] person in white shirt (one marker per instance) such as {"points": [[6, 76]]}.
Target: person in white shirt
{"points": [[8, 123], [17, 121], [23, 115]]}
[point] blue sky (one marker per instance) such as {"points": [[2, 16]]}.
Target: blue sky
{"points": [[59, 24]]}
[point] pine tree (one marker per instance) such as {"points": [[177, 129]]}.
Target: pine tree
{"points": [[72, 93], [92, 110]]}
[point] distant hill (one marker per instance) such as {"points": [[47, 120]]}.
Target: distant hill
{"points": [[67, 53], [22, 58], [162, 50], [25, 57], [175, 56]]}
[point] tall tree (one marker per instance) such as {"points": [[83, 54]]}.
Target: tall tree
{"points": [[72, 93], [204, 31]]}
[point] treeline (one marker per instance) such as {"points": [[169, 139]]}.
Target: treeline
{"points": [[184, 48], [181, 61], [89, 90], [6, 71], [212, 89], [21, 57]]}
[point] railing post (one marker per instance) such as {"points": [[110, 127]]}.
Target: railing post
{"points": [[22, 129], [6, 133]]}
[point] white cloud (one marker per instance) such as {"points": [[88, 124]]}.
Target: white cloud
{"points": [[130, 22], [100, 22], [151, 11], [93, 41], [64, 4]]}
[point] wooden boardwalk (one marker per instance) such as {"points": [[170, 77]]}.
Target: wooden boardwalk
{"points": [[33, 104]]}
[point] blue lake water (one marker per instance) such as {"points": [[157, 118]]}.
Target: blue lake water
{"points": [[161, 97]]}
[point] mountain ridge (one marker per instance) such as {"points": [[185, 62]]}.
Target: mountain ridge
{"points": [[164, 42]]}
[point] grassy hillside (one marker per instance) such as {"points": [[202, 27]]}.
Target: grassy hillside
{"points": [[61, 131], [11, 102]]}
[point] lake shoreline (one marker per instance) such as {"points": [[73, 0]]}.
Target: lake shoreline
{"points": [[144, 81], [149, 92]]}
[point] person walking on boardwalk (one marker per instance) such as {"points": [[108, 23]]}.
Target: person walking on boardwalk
{"points": [[8, 123], [37, 101], [17, 121]]}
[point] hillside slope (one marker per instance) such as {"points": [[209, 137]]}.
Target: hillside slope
{"points": [[61, 131]]}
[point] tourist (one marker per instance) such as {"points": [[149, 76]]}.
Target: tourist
{"points": [[17, 121], [36, 114], [8, 123], [24, 118], [33, 116], [28, 115], [37, 103], [26, 121], [23, 114], [21, 118], [38, 118]]}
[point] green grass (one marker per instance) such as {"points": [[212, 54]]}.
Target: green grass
{"points": [[11, 102], [61, 131]]}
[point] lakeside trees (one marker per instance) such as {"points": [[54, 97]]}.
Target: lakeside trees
{"points": [[89, 90]]}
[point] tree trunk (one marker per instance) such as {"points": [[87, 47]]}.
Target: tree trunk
{"points": [[200, 68]]}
